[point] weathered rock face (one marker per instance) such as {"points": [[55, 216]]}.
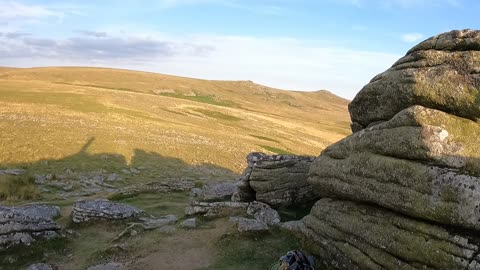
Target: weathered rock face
{"points": [[350, 235], [85, 211], [421, 163], [218, 191], [279, 180], [411, 171], [441, 73], [26, 224]]}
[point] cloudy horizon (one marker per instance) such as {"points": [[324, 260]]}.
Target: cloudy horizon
{"points": [[278, 43]]}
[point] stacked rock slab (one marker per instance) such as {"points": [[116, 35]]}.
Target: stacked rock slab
{"points": [[407, 182], [278, 180], [23, 225], [93, 210]]}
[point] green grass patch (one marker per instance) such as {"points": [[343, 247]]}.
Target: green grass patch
{"points": [[17, 188], [218, 115], [238, 252], [159, 204], [276, 150], [264, 138], [209, 99], [20, 257]]}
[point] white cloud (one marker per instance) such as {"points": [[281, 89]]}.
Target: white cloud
{"points": [[13, 10], [284, 63], [412, 37]]}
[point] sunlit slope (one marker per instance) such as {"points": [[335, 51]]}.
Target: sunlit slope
{"points": [[50, 113]]}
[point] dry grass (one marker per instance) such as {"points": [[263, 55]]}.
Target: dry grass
{"points": [[17, 188], [49, 113]]}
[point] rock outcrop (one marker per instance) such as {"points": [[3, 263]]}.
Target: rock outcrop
{"points": [[279, 180], [24, 225], [441, 73], [218, 191], [171, 185], [409, 177], [91, 210]]}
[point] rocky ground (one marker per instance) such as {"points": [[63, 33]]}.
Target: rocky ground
{"points": [[96, 222]]}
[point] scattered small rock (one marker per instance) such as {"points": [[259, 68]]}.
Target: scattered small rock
{"points": [[155, 223], [12, 171], [196, 192], [190, 223], [263, 212], [249, 225]]}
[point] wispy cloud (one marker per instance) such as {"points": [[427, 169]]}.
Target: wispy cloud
{"points": [[14, 9], [278, 62], [412, 37]]}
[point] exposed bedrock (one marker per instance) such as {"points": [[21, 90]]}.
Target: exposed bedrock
{"points": [[403, 191], [278, 180]]}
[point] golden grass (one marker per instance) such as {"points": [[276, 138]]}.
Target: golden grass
{"points": [[17, 188], [49, 113]]}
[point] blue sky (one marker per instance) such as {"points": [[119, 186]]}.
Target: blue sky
{"points": [[306, 45]]}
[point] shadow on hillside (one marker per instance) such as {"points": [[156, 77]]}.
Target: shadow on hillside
{"points": [[150, 164]]}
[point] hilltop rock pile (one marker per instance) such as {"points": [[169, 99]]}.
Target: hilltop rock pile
{"points": [[405, 187], [25, 224], [278, 180]]}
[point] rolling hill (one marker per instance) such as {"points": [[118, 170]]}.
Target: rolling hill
{"points": [[50, 113]]}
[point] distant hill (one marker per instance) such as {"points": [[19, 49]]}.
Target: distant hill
{"points": [[49, 113]]}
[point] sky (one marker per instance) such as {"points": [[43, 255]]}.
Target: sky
{"points": [[305, 45]]}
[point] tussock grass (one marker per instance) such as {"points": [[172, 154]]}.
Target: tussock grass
{"points": [[17, 188]]}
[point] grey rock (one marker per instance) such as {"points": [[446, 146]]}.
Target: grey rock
{"points": [[44, 211], [39, 179], [420, 163], [12, 171], [218, 191], [349, 235], [107, 266], [90, 210], [125, 171], [264, 213], [39, 266], [49, 176], [281, 180], [190, 223], [433, 74], [196, 192], [155, 223], [278, 180], [26, 224], [216, 209], [113, 177], [134, 170], [246, 225]]}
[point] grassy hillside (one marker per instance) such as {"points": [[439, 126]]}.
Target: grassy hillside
{"points": [[50, 113]]}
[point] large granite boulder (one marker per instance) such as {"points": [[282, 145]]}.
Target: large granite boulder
{"points": [[423, 163], [278, 180], [441, 73], [408, 179], [100, 209], [24, 225], [349, 235]]}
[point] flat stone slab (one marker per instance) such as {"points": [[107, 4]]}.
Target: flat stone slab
{"points": [[85, 211]]}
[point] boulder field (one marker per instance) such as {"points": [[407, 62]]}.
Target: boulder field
{"points": [[403, 191]]}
